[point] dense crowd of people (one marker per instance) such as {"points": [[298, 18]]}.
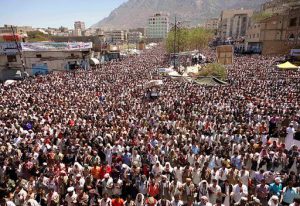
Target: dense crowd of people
{"points": [[95, 138]]}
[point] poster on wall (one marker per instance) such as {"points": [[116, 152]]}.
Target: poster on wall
{"points": [[56, 46], [9, 48], [39, 69]]}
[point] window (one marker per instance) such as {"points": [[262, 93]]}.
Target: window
{"points": [[293, 22], [291, 37], [38, 56], [11, 58], [72, 55]]}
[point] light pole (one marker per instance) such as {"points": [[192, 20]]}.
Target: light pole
{"points": [[18, 47]]}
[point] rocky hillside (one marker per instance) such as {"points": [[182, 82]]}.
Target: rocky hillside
{"points": [[134, 13]]}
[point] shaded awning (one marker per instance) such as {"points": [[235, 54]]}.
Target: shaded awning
{"points": [[287, 65], [94, 61]]}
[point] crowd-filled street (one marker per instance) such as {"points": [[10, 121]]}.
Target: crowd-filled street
{"points": [[94, 138]]}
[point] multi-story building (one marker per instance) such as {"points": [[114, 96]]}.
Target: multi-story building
{"points": [[79, 25], [142, 30], [17, 29], [212, 24], [157, 26], [271, 34], [234, 23], [134, 37], [279, 6], [41, 57], [79, 28], [116, 36]]}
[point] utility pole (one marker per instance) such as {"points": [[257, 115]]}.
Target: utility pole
{"points": [[19, 50], [175, 35]]}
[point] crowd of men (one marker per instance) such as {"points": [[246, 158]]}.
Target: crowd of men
{"points": [[95, 138]]}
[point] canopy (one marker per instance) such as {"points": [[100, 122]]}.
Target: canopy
{"points": [[287, 65], [153, 83], [165, 70], [9, 82], [174, 74], [94, 61]]}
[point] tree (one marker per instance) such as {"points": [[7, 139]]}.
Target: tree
{"points": [[35, 36], [214, 69], [188, 39], [260, 16]]}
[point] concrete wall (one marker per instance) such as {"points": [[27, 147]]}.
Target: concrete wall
{"points": [[277, 47], [56, 61]]}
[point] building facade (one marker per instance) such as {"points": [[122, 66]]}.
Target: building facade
{"points": [[279, 6], [79, 28], [142, 30], [157, 26], [234, 24], [116, 36], [276, 34], [212, 24], [6, 29], [42, 57], [134, 37]]}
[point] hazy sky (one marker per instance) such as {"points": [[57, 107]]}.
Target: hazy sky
{"points": [[54, 13]]}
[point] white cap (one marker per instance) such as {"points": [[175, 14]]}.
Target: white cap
{"points": [[70, 189]]}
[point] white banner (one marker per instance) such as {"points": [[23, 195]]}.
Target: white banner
{"points": [[57, 46]]}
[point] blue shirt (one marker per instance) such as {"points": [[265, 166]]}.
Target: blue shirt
{"points": [[275, 189], [236, 161], [195, 149], [127, 158], [153, 142], [288, 195]]}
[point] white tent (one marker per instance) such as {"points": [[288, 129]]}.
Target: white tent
{"points": [[153, 83], [9, 82], [165, 70], [174, 74], [94, 61]]}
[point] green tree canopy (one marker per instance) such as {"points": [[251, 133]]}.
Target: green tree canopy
{"points": [[214, 69], [188, 39], [35, 36], [260, 16]]}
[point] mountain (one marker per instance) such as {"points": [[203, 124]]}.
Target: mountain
{"points": [[134, 13]]}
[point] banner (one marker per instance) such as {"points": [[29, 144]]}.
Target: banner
{"points": [[295, 52], [57, 46], [39, 69], [9, 48]]}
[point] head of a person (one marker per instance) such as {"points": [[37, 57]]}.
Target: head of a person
{"points": [[163, 202], [139, 197], [240, 183], [70, 190], [277, 180], [243, 200], [105, 195], [128, 198], [297, 201], [204, 200], [176, 197], [215, 181], [274, 200]]}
